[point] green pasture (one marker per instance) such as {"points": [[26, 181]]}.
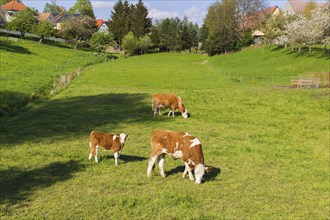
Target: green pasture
{"points": [[269, 143], [27, 67]]}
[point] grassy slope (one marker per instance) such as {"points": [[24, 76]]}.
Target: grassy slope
{"points": [[270, 146], [269, 65], [28, 67]]}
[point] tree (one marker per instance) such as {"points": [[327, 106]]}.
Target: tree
{"points": [[78, 29], [295, 31], [221, 25], [2, 2], [274, 27], [119, 21], [130, 43], [23, 21], [53, 8], [144, 43], [248, 7], [154, 36], [169, 34], [188, 34], [100, 40], [321, 18], [83, 7], [309, 8], [140, 22], [44, 29]]}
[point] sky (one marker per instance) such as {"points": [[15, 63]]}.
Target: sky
{"points": [[194, 10]]}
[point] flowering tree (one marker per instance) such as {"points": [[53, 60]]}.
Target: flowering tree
{"points": [[307, 30], [295, 32], [321, 20]]}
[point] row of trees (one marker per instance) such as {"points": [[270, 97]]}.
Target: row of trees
{"points": [[223, 29]]}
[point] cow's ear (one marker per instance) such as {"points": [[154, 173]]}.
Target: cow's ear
{"points": [[208, 169], [114, 137]]}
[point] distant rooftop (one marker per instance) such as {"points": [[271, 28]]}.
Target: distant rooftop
{"points": [[14, 5]]}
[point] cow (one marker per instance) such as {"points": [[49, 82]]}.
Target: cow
{"points": [[178, 145], [171, 101], [115, 142]]}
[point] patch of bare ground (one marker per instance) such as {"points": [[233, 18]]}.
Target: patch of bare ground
{"points": [[202, 62]]}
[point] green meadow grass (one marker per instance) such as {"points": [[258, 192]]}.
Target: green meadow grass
{"points": [[269, 145], [28, 67]]}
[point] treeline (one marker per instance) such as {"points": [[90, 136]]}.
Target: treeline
{"points": [[228, 26]]}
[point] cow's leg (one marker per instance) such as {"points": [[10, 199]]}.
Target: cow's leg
{"points": [[152, 161], [91, 151], [155, 109], [161, 159], [184, 172], [191, 177], [158, 109], [95, 155], [169, 113], [116, 156]]}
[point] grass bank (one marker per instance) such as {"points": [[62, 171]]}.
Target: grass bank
{"points": [[29, 69]]}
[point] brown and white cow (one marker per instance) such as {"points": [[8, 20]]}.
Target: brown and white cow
{"points": [[115, 142], [171, 101], [177, 145]]}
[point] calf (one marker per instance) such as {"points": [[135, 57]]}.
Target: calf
{"points": [[177, 145], [114, 142], [171, 101]]}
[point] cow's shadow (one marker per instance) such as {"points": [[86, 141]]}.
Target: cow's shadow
{"points": [[212, 174], [124, 158], [206, 178]]}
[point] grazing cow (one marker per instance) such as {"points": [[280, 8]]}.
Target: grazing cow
{"points": [[114, 142], [178, 145], [171, 101]]}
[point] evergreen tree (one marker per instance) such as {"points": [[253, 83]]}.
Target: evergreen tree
{"points": [[83, 7], [140, 22], [169, 34], [188, 34], [119, 21]]}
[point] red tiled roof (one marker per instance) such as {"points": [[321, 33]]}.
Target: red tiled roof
{"points": [[99, 23], [13, 5]]}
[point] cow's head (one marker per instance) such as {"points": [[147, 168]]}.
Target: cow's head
{"points": [[199, 173], [119, 142], [200, 170], [185, 113], [182, 108]]}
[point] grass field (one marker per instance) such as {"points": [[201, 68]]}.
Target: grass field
{"points": [[28, 67], [269, 145]]}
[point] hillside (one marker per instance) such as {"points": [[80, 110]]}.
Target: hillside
{"points": [[269, 145], [31, 68]]}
